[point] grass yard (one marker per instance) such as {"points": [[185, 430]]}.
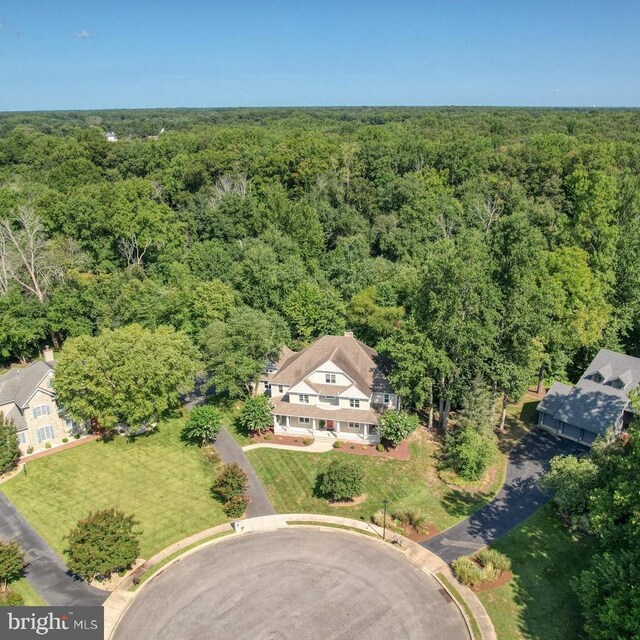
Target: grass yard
{"points": [[163, 482], [538, 603], [30, 596], [289, 478]]}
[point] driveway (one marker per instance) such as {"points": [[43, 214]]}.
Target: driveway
{"points": [[45, 571], [293, 584], [519, 498]]}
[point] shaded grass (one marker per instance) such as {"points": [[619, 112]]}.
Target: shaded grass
{"points": [[290, 477], [539, 603], [164, 483]]}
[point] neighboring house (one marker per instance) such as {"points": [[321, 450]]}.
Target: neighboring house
{"points": [[600, 399], [111, 136], [333, 389], [27, 398]]}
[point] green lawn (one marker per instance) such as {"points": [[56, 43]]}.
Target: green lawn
{"points": [[163, 482], [289, 478], [539, 603], [30, 596]]}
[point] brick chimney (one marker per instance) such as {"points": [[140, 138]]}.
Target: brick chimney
{"points": [[47, 354], [348, 334]]}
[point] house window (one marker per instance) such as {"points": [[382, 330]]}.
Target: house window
{"points": [[373, 430], [354, 403], [41, 410], [280, 389], [304, 420], [22, 437], [354, 425], [386, 398], [45, 433], [304, 398], [267, 386], [330, 378], [50, 383]]}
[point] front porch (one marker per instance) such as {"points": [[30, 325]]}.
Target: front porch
{"points": [[326, 429]]}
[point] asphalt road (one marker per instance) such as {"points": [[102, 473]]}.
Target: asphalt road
{"points": [[45, 571], [298, 584], [519, 498]]}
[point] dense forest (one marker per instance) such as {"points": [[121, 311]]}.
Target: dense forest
{"points": [[464, 243]]}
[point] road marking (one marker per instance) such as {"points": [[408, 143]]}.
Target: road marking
{"points": [[460, 543]]}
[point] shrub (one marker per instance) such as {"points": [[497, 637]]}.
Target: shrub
{"points": [[9, 447], [469, 452], [47, 445], [395, 426], [256, 416], [101, 543], [232, 481], [337, 444], [65, 440], [76, 436], [343, 479], [268, 436], [380, 447], [13, 599], [211, 455], [352, 446], [11, 562], [413, 518], [236, 505], [203, 425], [307, 441], [467, 571], [29, 449], [495, 559]]}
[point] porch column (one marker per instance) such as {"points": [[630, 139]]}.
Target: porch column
{"points": [[313, 423], [366, 432], [337, 426], [287, 421], [275, 422]]}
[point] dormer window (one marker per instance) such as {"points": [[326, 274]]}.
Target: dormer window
{"points": [[597, 377], [330, 378], [618, 384]]}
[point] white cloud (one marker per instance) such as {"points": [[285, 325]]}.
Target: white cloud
{"points": [[84, 34]]}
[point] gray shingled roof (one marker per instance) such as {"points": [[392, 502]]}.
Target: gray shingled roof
{"points": [[18, 385], [556, 395], [592, 405]]}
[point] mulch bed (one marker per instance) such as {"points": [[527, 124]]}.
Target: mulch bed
{"points": [[401, 452], [62, 447], [487, 586], [412, 534]]}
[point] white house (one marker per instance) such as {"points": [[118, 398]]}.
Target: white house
{"points": [[336, 388]]}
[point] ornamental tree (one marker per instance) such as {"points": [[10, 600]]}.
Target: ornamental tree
{"points": [[9, 449], [101, 543], [202, 426], [395, 426], [343, 479], [12, 562], [129, 376], [255, 416]]}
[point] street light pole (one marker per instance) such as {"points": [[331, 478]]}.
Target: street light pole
{"points": [[385, 502]]}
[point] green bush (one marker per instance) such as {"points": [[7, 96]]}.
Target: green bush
{"points": [[231, 482], [12, 563], [29, 450], [307, 441], [343, 479], [65, 440], [396, 426], [380, 447], [11, 599], [202, 426], [493, 558], [9, 447], [268, 436], [47, 445], [256, 416], [337, 444], [467, 571], [101, 543], [236, 505], [469, 452], [413, 518]]}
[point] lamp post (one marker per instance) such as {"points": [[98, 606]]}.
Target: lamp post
{"points": [[385, 502]]}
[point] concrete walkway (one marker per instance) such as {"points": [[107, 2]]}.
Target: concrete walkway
{"points": [[45, 571], [519, 498], [314, 447], [230, 451]]}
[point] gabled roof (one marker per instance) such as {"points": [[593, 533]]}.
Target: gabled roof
{"points": [[556, 395], [358, 361], [19, 385], [615, 365]]}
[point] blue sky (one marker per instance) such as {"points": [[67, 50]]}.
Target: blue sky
{"points": [[67, 54]]}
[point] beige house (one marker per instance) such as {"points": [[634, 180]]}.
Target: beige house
{"points": [[27, 398], [335, 389]]}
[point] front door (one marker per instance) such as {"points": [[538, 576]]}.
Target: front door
{"points": [[330, 426]]}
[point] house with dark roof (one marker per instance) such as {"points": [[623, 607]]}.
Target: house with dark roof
{"points": [[28, 399], [599, 401], [336, 388]]}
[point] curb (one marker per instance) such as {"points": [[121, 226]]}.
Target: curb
{"points": [[120, 600]]}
